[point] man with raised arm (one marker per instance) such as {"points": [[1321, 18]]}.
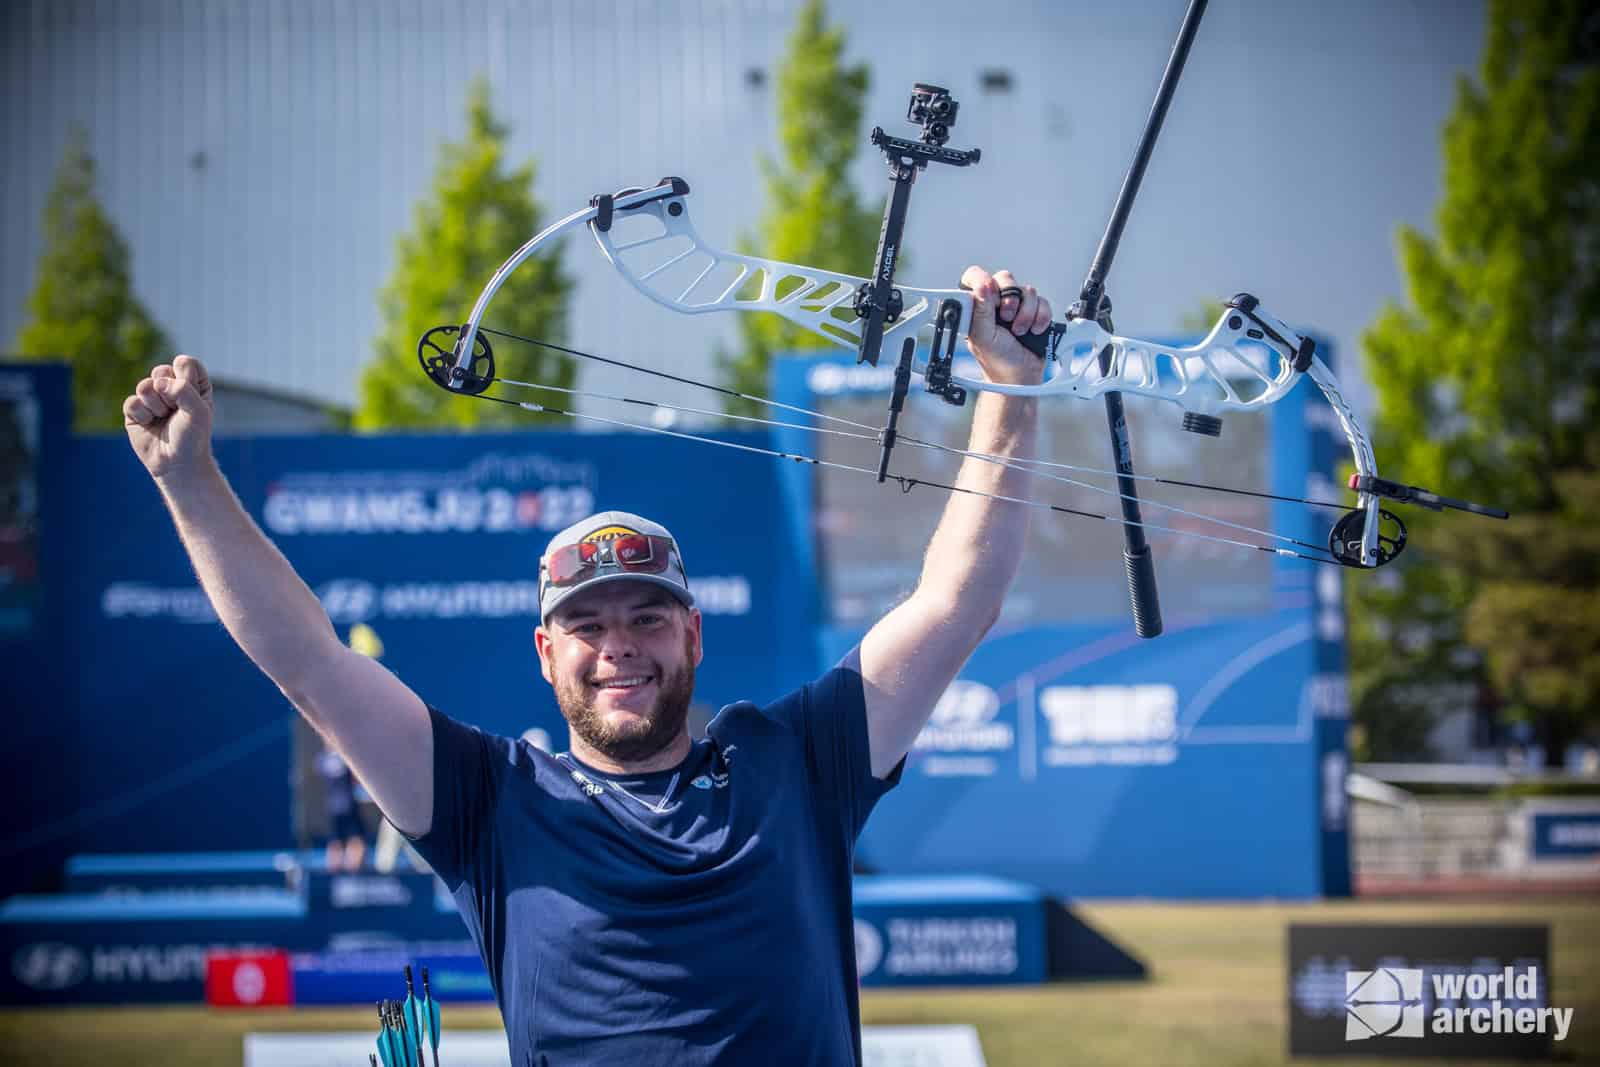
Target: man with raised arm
{"points": [[644, 898]]}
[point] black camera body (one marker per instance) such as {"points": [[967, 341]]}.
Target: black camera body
{"points": [[934, 109]]}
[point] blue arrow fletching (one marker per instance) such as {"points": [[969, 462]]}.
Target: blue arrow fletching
{"points": [[430, 1012], [413, 1035], [385, 1039]]}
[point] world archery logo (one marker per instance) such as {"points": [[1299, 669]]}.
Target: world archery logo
{"points": [[1386, 1002]]}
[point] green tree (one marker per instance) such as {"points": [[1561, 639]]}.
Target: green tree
{"points": [[814, 215], [1198, 320], [1488, 384], [1536, 609], [82, 310], [475, 215]]}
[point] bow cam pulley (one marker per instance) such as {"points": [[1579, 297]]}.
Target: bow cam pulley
{"points": [[1344, 540], [440, 363]]}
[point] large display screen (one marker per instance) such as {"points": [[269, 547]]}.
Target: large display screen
{"points": [[871, 539]]}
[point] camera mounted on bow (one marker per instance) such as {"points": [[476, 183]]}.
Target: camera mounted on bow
{"points": [[934, 109]]}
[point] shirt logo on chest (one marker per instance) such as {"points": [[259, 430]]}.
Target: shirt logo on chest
{"points": [[716, 779], [587, 784]]}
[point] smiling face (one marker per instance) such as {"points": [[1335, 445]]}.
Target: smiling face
{"points": [[621, 657]]}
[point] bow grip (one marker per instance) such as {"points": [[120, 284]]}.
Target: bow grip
{"points": [[1037, 343]]}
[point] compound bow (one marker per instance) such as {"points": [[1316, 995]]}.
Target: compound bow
{"points": [[1248, 360]]}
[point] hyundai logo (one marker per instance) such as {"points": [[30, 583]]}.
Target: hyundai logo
{"points": [[348, 600], [50, 965], [965, 704]]}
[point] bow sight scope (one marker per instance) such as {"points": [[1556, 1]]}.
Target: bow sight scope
{"points": [[934, 109]]}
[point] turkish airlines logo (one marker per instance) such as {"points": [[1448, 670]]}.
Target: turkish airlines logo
{"points": [[249, 984], [869, 948]]}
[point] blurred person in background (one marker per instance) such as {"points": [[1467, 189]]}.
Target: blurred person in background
{"points": [[644, 897], [347, 837]]}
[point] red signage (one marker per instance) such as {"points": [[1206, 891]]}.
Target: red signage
{"points": [[248, 979]]}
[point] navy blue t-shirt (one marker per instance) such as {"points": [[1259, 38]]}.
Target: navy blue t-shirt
{"points": [[695, 916]]}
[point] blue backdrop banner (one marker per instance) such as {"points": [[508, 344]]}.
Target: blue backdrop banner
{"points": [[162, 736], [1069, 753]]}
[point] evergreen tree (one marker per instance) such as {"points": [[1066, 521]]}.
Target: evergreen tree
{"points": [[475, 216], [1488, 387], [1535, 612], [82, 310], [814, 215]]}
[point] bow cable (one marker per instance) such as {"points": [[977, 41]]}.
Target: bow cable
{"points": [[871, 430], [905, 482], [1027, 466]]}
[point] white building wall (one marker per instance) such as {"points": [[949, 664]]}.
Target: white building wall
{"points": [[262, 157]]}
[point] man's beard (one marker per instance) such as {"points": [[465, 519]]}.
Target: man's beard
{"points": [[635, 741]]}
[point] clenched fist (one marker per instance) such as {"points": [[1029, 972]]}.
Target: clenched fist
{"points": [[168, 417], [993, 338]]}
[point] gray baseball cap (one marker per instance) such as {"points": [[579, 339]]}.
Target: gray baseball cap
{"points": [[651, 555]]}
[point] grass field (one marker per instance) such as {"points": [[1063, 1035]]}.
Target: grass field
{"points": [[1216, 996]]}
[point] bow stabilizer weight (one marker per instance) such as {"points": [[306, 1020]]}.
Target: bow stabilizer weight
{"points": [[897, 399], [1412, 494]]}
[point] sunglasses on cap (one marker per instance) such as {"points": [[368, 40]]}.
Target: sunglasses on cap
{"points": [[632, 553]]}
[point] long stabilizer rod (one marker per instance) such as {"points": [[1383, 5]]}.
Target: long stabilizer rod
{"points": [[1136, 555]]}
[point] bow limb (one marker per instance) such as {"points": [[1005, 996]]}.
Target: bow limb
{"points": [[654, 245], [598, 216], [1249, 360], [1361, 451], [1238, 366], [469, 331]]}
